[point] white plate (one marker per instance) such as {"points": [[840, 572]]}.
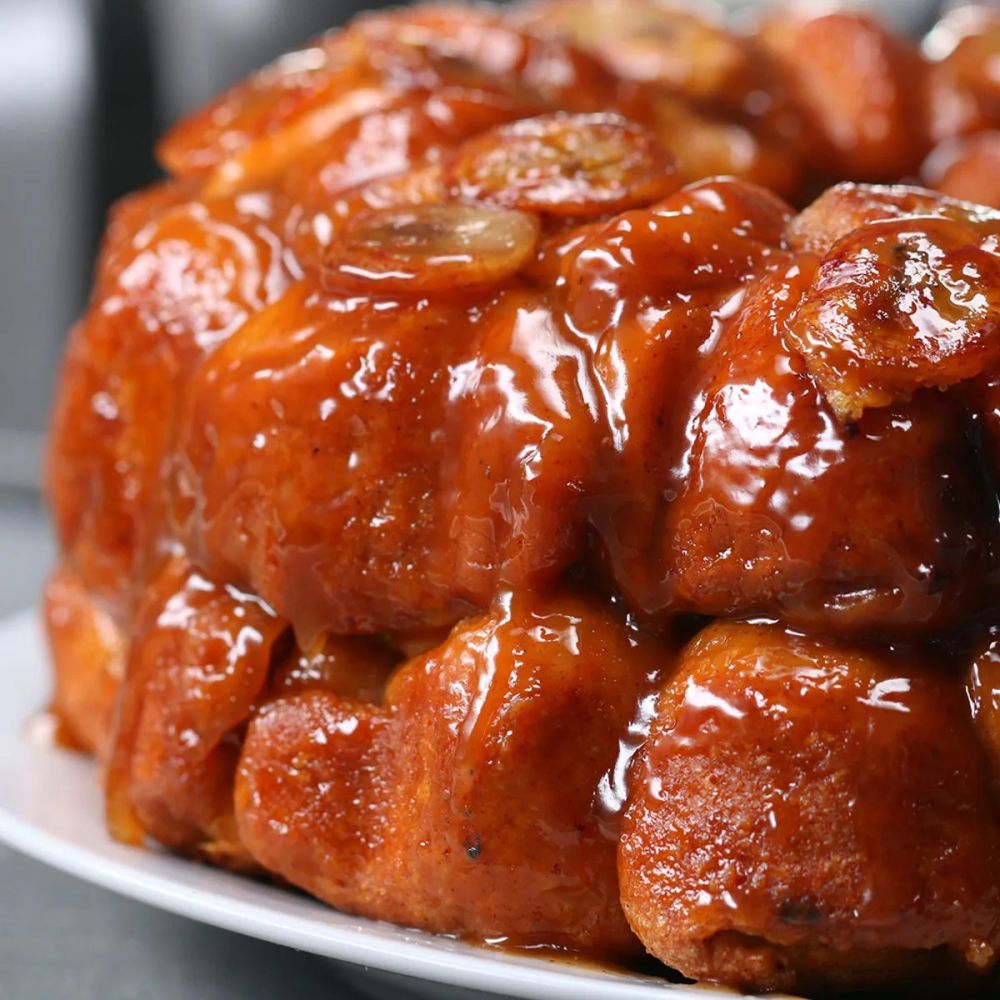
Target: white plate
{"points": [[50, 808]]}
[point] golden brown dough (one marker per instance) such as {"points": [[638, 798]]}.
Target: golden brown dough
{"points": [[199, 660], [482, 799], [810, 816], [966, 168], [731, 487], [444, 390], [88, 653], [963, 90], [169, 291], [383, 413], [860, 91]]}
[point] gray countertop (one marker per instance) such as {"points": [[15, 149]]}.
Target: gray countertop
{"points": [[62, 938]]}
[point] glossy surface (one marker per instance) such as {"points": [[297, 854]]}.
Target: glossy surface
{"points": [[343, 378], [255, 131], [900, 305], [879, 524], [720, 104], [49, 810], [439, 402], [429, 248], [170, 289], [438, 811], [810, 813], [199, 661], [574, 165], [841, 209]]}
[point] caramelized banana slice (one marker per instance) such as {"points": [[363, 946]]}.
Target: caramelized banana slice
{"points": [[270, 156], [252, 110], [564, 164], [420, 130], [899, 305], [486, 42], [260, 126], [845, 207], [386, 80], [313, 228], [650, 41], [430, 248]]}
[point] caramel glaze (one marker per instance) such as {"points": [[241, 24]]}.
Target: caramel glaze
{"points": [[200, 658], [783, 844], [468, 802], [423, 419]]}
